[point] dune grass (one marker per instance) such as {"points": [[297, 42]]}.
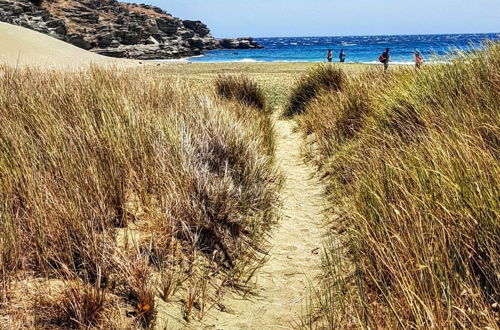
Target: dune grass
{"points": [[241, 89], [412, 165], [110, 181], [320, 78]]}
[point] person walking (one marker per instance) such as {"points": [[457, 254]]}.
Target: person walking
{"points": [[418, 59], [342, 56], [329, 55], [385, 58]]}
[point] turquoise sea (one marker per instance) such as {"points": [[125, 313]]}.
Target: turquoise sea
{"points": [[360, 49]]}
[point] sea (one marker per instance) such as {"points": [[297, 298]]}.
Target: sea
{"points": [[359, 49]]}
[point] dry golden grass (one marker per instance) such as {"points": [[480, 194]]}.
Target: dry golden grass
{"points": [[131, 7], [411, 160], [86, 156]]}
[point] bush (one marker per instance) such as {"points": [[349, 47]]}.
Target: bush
{"points": [[319, 78], [241, 89], [414, 170]]}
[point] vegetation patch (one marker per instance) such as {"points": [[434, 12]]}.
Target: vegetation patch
{"points": [[317, 79], [241, 89], [123, 184], [411, 163]]}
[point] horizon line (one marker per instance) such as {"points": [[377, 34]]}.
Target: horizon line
{"points": [[365, 35]]}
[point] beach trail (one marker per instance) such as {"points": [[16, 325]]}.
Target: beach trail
{"points": [[283, 283]]}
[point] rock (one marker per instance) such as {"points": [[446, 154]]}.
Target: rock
{"points": [[196, 43], [239, 43], [112, 52], [167, 26], [54, 23], [105, 40], [186, 34], [128, 38], [198, 27], [113, 44], [244, 44], [17, 10], [60, 30], [152, 41], [229, 43], [78, 41]]}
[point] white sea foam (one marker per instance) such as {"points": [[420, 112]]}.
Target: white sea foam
{"points": [[176, 60], [247, 60]]}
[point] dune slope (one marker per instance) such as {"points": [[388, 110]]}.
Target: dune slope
{"points": [[21, 46]]}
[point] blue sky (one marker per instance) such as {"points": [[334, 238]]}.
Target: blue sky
{"points": [[269, 18]]}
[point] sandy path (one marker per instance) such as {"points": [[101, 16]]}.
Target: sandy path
{"points": [[283, 282]]}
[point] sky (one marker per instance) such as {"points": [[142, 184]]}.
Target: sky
{"points": [[287, 18]]}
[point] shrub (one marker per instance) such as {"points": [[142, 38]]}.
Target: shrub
{"points": [[320, 78]]}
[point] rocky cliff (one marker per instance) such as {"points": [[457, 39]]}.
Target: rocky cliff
{"points": [[117, 29]]}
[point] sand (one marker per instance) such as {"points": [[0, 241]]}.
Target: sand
{"points": [[21, 46], [284, 282]]}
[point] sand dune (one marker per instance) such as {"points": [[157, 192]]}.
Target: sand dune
{"points": [[21, 46]]}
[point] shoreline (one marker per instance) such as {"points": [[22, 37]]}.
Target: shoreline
{"points": [[252, 61]]}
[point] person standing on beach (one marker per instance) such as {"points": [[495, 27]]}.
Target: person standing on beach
{"points": [[385, 58], [342, 56], [329, 55], [418, 60]]}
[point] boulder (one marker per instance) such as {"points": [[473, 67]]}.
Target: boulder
{"points": [[79, 41], [105, 40], [167, 26], [60, 30], [152, 41], [197, 26], [186, 34], [196, 43], [17, 10], [229, 43]]}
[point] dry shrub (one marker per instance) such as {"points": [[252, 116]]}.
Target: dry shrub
{"points": [[320, 78], [417, 183], [84, 154], [241, 89]]}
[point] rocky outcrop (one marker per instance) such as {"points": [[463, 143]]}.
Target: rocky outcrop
{"points": [[240, 43], [117, 29]]}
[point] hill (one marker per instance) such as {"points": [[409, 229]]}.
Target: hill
{"points": [[117, 29]]}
